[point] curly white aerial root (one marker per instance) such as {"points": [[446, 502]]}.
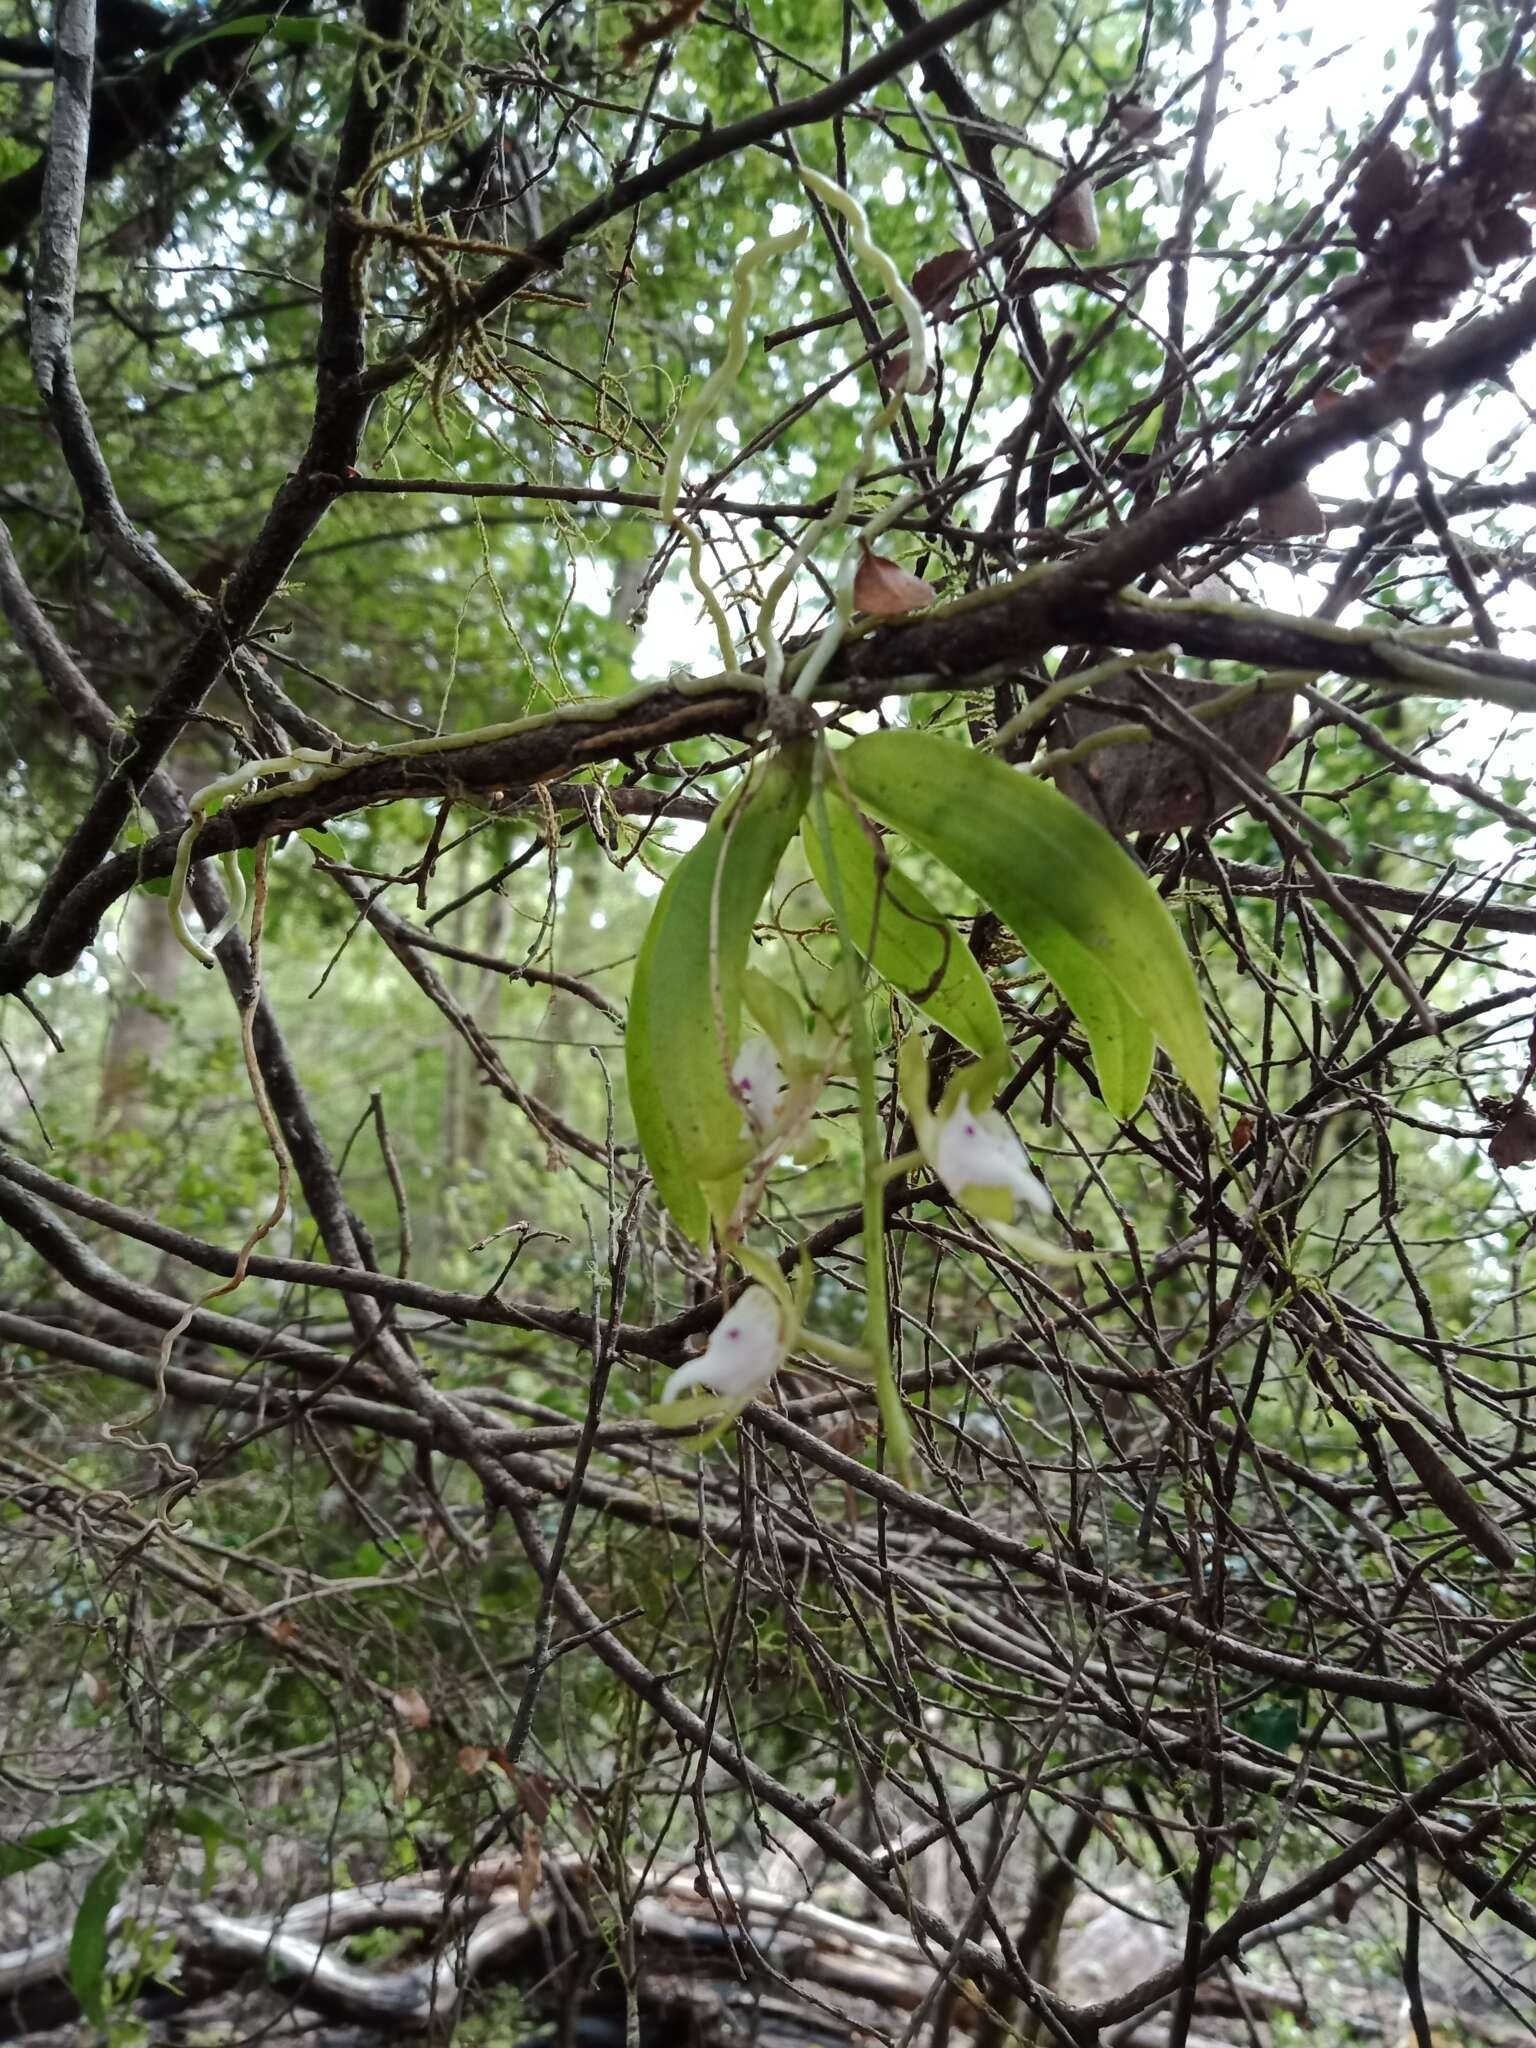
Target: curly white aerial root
{"points": [[296, 766], [911, 376], [709, 395]]}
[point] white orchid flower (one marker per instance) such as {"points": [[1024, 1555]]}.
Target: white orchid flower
{"points": [[976, 1153], [745, 1349], [758, 1079]]}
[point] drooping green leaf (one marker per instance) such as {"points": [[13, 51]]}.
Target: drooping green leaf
{"points": [[41, 1846], [324, 842], [1071, 895], [902, 935], [88, 1941], [685, 1008], [297, 31]]}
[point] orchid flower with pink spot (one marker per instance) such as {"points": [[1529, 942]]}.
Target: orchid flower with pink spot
{"points": [[746, 1349], [758, 1079], [976, 1152]]}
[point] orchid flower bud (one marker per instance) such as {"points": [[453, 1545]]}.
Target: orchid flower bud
{"points": [[745, 1349], [758, 1079], [974, 1152]]}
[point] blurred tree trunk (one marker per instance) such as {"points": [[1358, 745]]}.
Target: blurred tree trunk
{"points": [[139, 1034]]}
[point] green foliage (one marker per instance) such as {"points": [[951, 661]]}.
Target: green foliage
{"points": [[88, 1941], [685, 1007], [1074, 899], [904, 937]]}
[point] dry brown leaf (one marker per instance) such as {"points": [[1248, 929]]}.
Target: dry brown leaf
{"points": [[1137, 120], [1159, 785], [1501, 238], [647, 29], [473, 1758], [283, 1630], [530, 1869], [1514, 1142], [1383, 190], [885, 590], [1290, 513], [1073, 218], [411, 1707], [400, 1774], [96, 1689], [935, 282], [535, 1792], [892, 369]]}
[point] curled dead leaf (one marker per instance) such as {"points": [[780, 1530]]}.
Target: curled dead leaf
{"points": [[892, 371], [1289, 513], [472, 1758], [95, 1688], [1513, 1142], [411, 1707], [1073, 219], [885, 590], [1137, 120], [1163, 784], [400, 1772], [1383, 190], [531, 1867], [647, 29], [935, 282], [535, 1792], [1501, 238]]}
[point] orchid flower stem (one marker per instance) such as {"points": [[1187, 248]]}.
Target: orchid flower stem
{"points": [[877, 1333], [828, 1351]]}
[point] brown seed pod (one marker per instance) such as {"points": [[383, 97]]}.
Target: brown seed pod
{"points": [[1073, 219]]}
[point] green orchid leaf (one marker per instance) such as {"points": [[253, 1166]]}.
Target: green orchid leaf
{"points": [[298, 32], [685, 1008], [88, 1940], [1072, 896], [778, 1014], [41, 1846], [907, 941]]}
